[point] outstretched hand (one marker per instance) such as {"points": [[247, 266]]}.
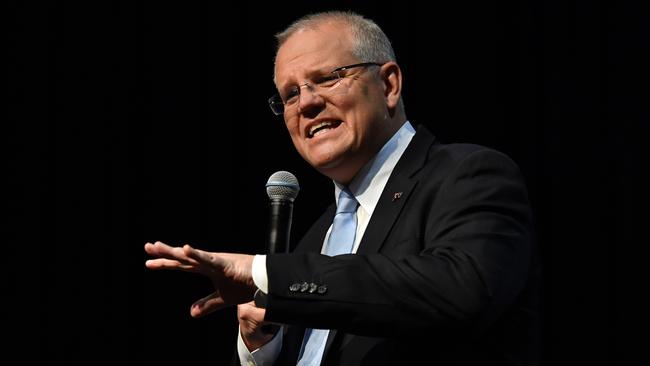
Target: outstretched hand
{"points": [[231, 274]]}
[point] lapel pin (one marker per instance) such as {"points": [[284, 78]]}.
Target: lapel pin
{"points": [[396, 196]]}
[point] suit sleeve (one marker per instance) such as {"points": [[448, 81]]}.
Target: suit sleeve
{"points": [[456, 259]]}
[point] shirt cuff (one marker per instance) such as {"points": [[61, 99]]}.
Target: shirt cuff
{"points": [[263, 356], [260, 277]]}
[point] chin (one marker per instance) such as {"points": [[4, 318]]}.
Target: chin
{"points": [[332, 167], [324, 163]]}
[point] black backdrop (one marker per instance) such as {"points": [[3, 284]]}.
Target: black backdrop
{"points": [[132, 122]]}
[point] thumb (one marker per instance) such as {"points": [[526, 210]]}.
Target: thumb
{"points": [[207, 305]]}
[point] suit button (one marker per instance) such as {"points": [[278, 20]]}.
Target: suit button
{"points": [[312, 288], [294, 287], [322, 289], [304, 287]]}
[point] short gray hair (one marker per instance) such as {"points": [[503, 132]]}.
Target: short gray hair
{"points": [[370, 44]]}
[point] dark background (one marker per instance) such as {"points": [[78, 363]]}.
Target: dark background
{"points": [[132, 122]]}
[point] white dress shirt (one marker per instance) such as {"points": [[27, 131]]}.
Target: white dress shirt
{"points": [[366, 187]]}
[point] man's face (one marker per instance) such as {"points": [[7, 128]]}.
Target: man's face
{"points": [[335, 131]]}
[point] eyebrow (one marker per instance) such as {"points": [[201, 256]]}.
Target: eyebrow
{"points": [[323, 71]]}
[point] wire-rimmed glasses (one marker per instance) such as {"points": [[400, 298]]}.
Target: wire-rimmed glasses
{"points": [[323, 86]]}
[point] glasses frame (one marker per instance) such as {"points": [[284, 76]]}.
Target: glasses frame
{"points": [[277, 104]]}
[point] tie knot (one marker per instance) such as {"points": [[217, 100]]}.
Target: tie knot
{"points": [[347, 202]]}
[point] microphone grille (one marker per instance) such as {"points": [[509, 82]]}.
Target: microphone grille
{"points": [[282, 185]]}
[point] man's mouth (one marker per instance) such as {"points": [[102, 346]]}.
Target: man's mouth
{"points": [[322, 127]]}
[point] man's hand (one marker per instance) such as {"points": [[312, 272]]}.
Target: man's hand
{"points": [[231, 274], [251, 321]]}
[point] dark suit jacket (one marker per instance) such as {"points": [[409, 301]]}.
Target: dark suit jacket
{"points": [[446, 273]]}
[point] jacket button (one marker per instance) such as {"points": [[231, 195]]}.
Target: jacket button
{"points": [[322, 289], [294, 287], [312, 288]]}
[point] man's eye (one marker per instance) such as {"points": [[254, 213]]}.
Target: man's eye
{"points": [[292, 95], [327, 80]]}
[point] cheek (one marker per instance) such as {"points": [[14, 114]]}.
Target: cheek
{"points": [[292, 126], [294, 133], [360, 104]]}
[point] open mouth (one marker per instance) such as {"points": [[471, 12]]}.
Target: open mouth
{"points": [[322, 127]]}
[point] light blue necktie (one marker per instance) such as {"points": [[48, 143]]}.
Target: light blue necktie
{"points": [[341, 241]]}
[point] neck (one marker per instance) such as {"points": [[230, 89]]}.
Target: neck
{"points": [[345, 173]]}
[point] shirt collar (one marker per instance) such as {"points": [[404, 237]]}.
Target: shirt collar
{"points": [[370, 181]]}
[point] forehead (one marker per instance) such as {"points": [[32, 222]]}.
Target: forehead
{"points": [[309, 50]]}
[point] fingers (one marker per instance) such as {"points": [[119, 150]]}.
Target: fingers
{"points": [[244, 309], [170, 257], [162, 263], [249, 312], [187, 256], [245, 305], [203, 256], [209, 263], [160, 249], [255, 332], [232, 287], [207, 305]]}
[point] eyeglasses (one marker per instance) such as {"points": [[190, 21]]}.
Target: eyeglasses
{"points": [[324, 85]]}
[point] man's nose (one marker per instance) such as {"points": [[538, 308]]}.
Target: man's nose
{"points": [[309, 98]]}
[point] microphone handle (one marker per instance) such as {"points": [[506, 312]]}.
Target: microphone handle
{"points": [[281, 212]]}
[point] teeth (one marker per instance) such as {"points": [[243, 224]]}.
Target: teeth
{"points": [[315, 127]]}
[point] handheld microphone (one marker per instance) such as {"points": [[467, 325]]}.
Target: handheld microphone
{"points": [[282, 188]]}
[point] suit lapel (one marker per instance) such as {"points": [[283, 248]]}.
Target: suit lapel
{"points": [[392, 200], [390, 204], [396, 193], [312, 242]]}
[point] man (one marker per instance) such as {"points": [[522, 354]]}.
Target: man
{"points": [[439, 267]]}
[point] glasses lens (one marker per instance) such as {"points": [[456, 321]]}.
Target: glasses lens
{"points": [[275, 102]]}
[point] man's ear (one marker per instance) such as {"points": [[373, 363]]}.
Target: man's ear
{"points": [[391, 76]]}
